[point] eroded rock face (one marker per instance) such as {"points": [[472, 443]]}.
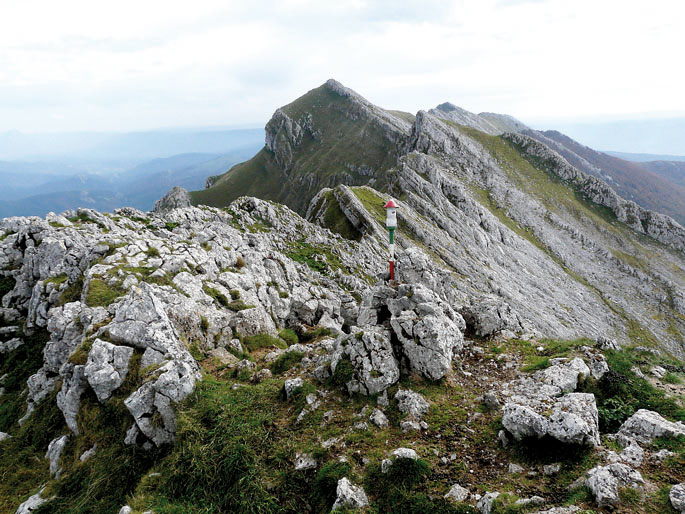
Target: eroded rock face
{"points": [[537, 406], [371, 355], [107, 368], [605, 481], [176, 198]]}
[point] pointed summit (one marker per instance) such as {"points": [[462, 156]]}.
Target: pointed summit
{"points": [[331, 135]]}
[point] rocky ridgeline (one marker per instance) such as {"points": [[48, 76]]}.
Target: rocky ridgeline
{"points": [[107, 288], [554, 268]]}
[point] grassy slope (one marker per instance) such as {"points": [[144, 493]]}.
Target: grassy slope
{"points": [[325, 161]]}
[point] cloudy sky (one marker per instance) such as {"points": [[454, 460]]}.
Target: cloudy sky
{"points": [[137, 64]]}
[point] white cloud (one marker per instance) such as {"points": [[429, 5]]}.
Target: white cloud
{"points": [[79, 64]]}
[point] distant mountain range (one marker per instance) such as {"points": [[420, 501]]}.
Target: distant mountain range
{"points": [[38, 188]]}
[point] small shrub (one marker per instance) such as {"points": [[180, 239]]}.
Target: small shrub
{"points": [[204, 324], [235, 294], [239, 305], [289, 336], [6, 285], [285, 362], [671, 378], [170, 226], [344, 372], [315, 334], [218, 296], [323, 492], [240, 263], [152, 252]]}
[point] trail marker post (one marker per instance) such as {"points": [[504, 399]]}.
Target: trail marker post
{"points": [[391, 225]]}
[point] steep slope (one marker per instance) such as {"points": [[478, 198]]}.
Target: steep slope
{"points": [[674, 171], [634, 181], [327, 137]]}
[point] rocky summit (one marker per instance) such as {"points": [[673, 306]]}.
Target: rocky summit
{"points": [[242, 349]]}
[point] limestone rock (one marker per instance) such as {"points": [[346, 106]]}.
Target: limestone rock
{"points": [[645, 425], [176, 198], [32, 503], [371, 355], [485, 504], [107, 368], [350, 496], [54, 453], [605, 481], [457, 493], [412, 403], [304, 462], [291, 385], [677, 497]]}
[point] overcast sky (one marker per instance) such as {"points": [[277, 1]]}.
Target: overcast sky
{"points": [[137, 64]]}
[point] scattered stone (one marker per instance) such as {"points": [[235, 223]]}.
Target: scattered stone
{"points": [[515, 468], [559, 510], [605, 481], [606, 343], [457, 493], [125, 510], [409, 425], [54, 452], [378, 418], [225, 357], [349, 495], [485, 504], [645, 425], [88, 453], [411, 403], [291, 385], [551, 469], [304, 461], [677, 497], [4, 435], [491, 402], [658, 372]]}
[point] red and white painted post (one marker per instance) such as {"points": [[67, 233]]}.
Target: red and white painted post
{"points": [[391, 225]]}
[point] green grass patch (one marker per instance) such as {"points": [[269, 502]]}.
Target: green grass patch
{"points": [[258, 341], [289, 336], [72, 293], [344, 372], [535, 364], [56, 280], [619, 393], [317, 257], [672, 378], [223, 440], [286, 361], [102, 294]]}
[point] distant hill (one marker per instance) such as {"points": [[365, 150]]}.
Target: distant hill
{"points": [[653, 136], [137, 187], [632, 180], [644, 157], [670, 170], [121, 146]]}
